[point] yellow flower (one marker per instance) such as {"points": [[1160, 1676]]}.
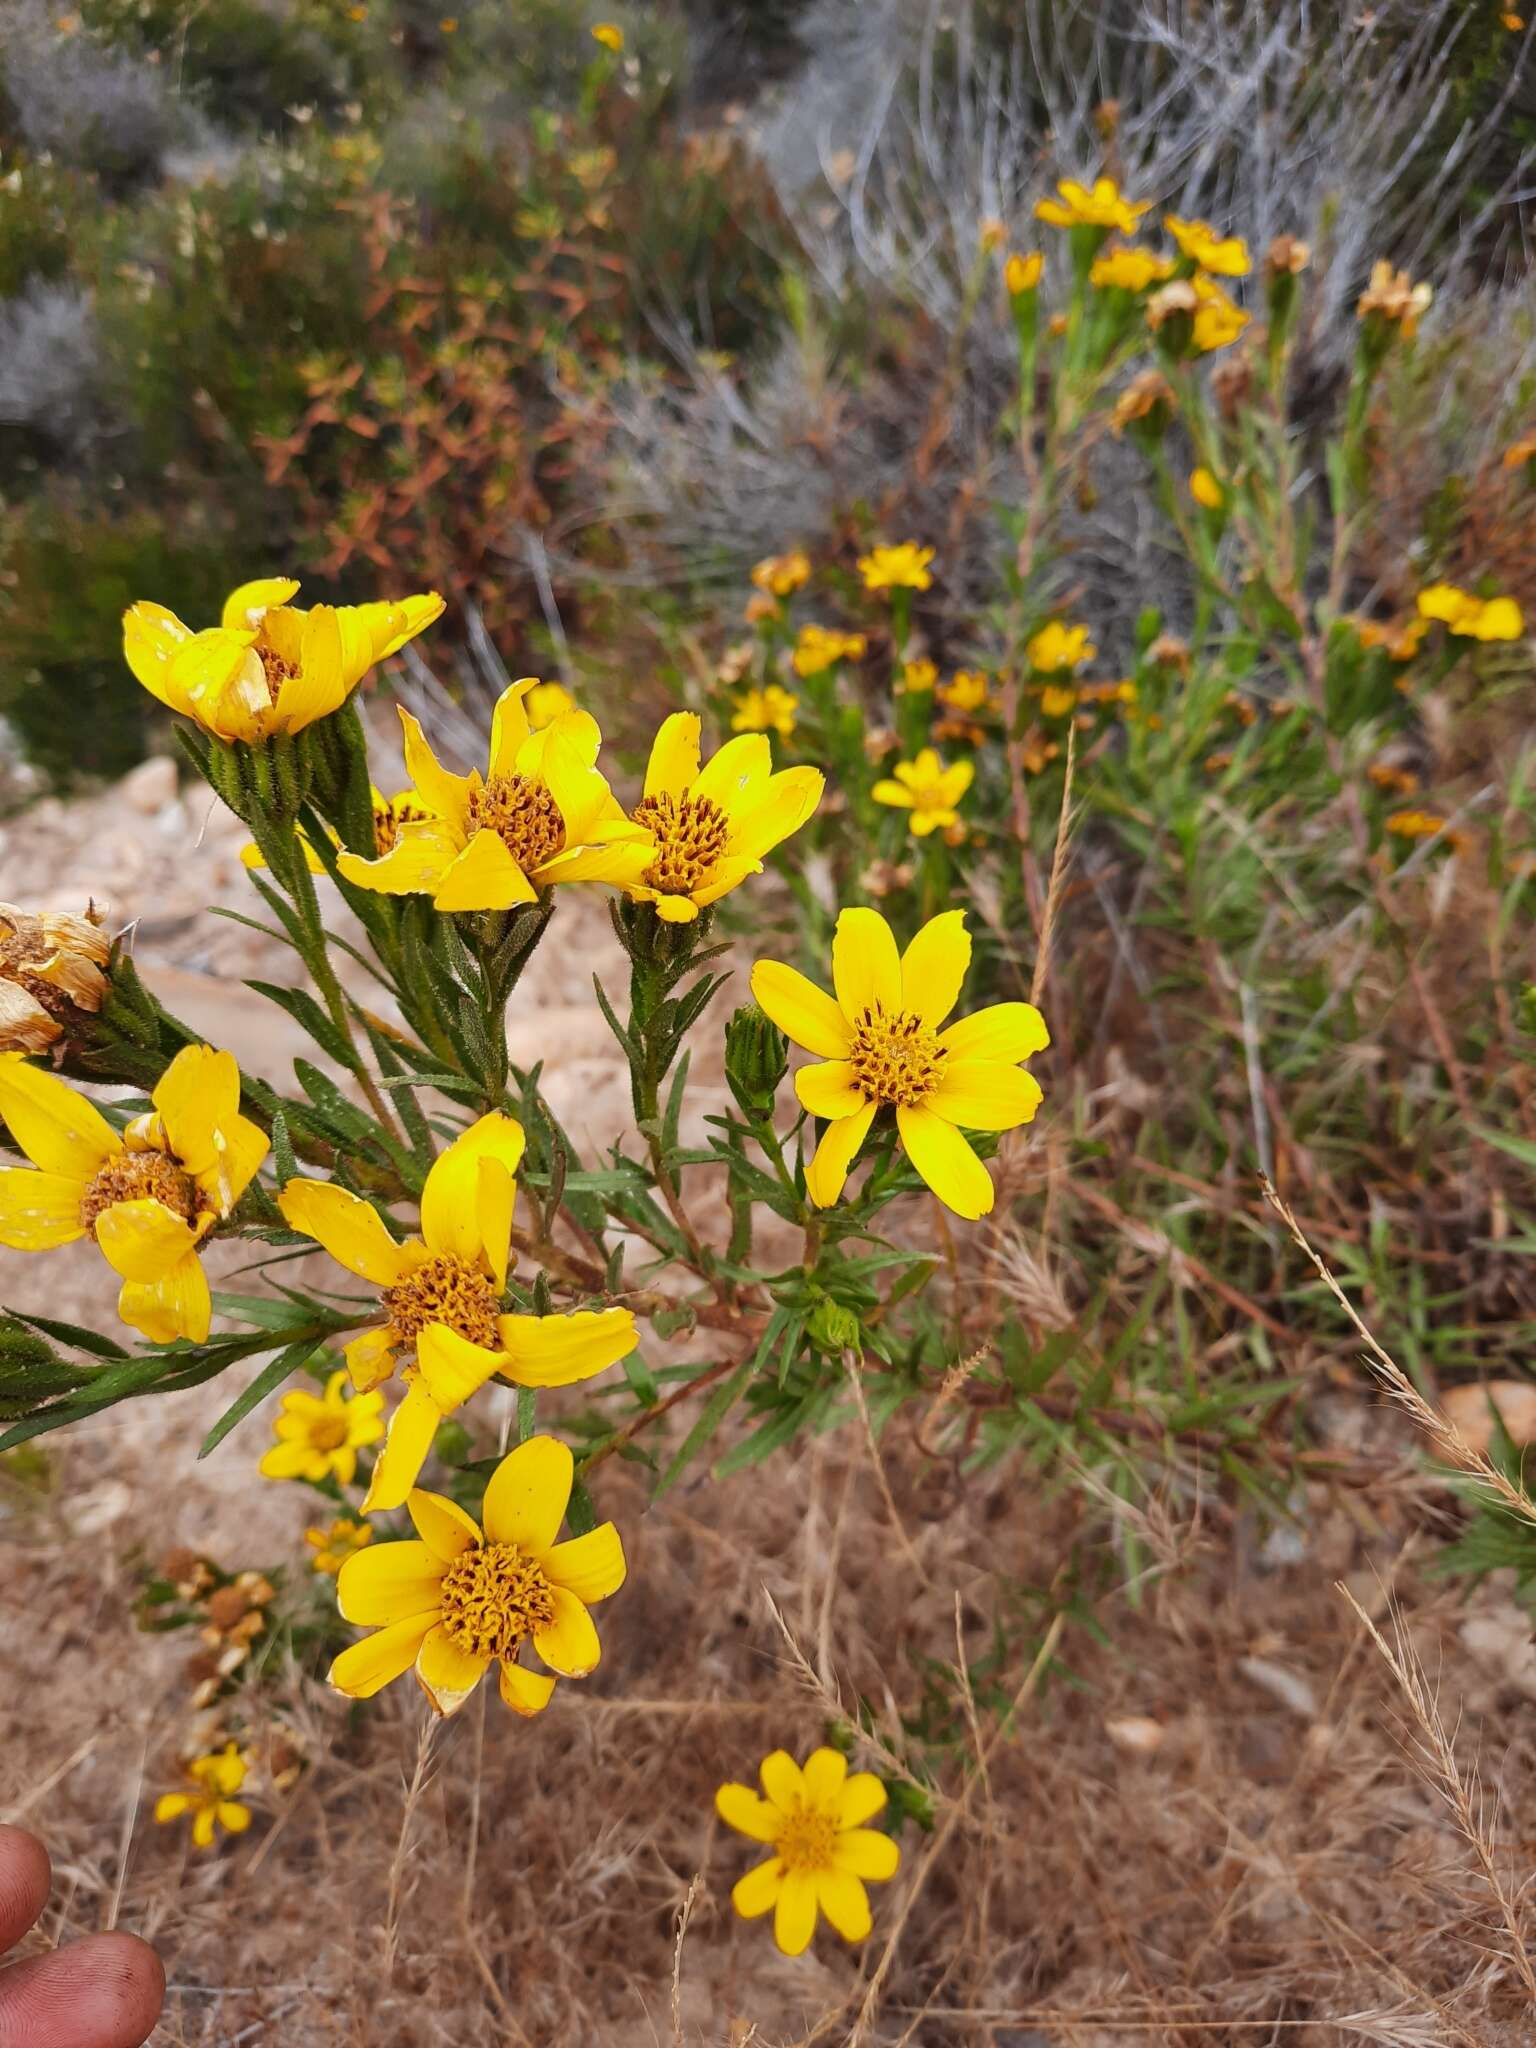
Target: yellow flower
{"points": [[51, 971], [1021, 274], [440, 1306], [1469, 617], [1100, 207], [333, 1546], [148, 1196], [967, 690], [389, 814], [917, 678], [1057, 649], [904, 567], [1220, 255], [609, 34], [708, 829], [1129, 270], [546, 702], [1218, 320], [455, 1601], [540, 814], [927, 789], [1513, 22], [1392, 297], [823, 1855], [772, 709], [217, 1777], [782, 575], [1520, 452], [881, 1046], [320, 1435], [1056, 700], [1416, 824], [268, 667], [760, 608], [1206, 491], [819, 647]]}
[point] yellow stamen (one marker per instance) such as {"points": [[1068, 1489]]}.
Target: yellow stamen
{"points": [[807, 1840], [492, 1597], [138, 1177], [691, 834], [447, 1289], [895, 1059], [387, 820], [327, 1432], [523, 813]]}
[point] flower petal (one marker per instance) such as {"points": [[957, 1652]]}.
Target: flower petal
{"points": [[177, 1304], [387, 1582], [509, 726], [38, 1210], [674, 763], [866, 968], [865, 1852], [152, 637], [788, 800], [828, 1089], [845, 1902], [946, 1162], [367, 1667], [895, 794], [556, 1351], [442, 1524], [370, 1359], [824, 1771], [834, 1156], [862, 1797], [144, 1240], [57, 1129], [320, 684], [568, 1643], [736, 778], [483, 877], [350, 1229], [411, 1430], [758, 1892], [794, 1913], [172, 1805], [581, 795], [1002, 1031], [985, 1095], [525, 1692], [782, 1780], [742, 1809], [415, 864], [526, 1498], [934, 967], [445, 794], [198, 1097], [591, 1566], [459, 1213], [806, 1013], [245, 604], [448, 1674], [451, 1367]]}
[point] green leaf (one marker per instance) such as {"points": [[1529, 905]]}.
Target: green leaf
{"points": [[71, 1333], [266, 1382], [713, 1413]]}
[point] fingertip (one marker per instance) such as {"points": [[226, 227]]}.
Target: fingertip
{"points": [[104, 1991], [25, 1879]]}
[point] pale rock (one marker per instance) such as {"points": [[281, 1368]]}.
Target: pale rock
{"points": [[1136, 1734], [1468, 1408], [150, 786]]}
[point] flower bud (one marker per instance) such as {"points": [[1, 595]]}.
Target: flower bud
{"points": [[756, 1060]]}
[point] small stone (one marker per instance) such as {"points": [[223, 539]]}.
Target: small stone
{"points": [[1289, 1688], [1468, 1408], [151, 786], [1137, 1734]]}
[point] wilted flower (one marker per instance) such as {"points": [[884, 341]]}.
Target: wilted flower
{"points": [[1199, 243], [1287, 256], [333, 1546], [821, 647], [822, 1854], [771, 709], [927, 789], [760, 607], [735, 662], [1392, 780], [1399, 638], [1129, 270], [1100, 206], [1469, 617], [903, 567], [320, 1435], [991, 235], [51, 973], [1057, 648], [1149, 398], [1393, 300], [215, 1779], [781, 575]]}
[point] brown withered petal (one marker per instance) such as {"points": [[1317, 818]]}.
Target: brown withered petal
{"points": [[25, 1026]]}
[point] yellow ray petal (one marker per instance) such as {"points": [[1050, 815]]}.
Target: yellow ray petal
{"points": [[568, 1641], [451, 1202], [582, 794], [57, 1129], [984, 1096], [1002, 1031], [834, 1156], [244, 606], [861, 1798], [144, 1240], [388, 1581], [758, 1892], [934, 967], [783, 1781], [748, 1813], [525, 1692], [866, 968], [526, 1498], [442, 1524], [557, 1351], [794, 1913], [483, 877], [346, 1226], [447, 1674], [736, 779], [591, 1566], [172, 1805], [370, 1359], [509, 725], [415, 864], [152, 636], [177, 1304], [444, 793], [865, 1852], [828, 1090], [806, 1013], [38, 1210], [885, 791], [674, 763], [198, 1097], [411, 1430], [320, 685], [620, 861], [845, 1902], [825, 1771], [788, 800], [367, 1667], [452, 1368], [946, 1162]]}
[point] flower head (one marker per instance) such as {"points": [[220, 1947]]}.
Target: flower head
{"points": [[1149, 398], [1057, 649], [883, 1045], [782, 575], [540, 814], [1056, 700], [1469, 617], [1287, 256], [967, 690], [320, 1435], [333, 1546], [440, 1315], [822, 647], [708, 828], [459, 1599], [1520, 452], [1098, 206], [1423, 825], [148, 1195], [1205, 489], [1392, 299], [927, 789], [1021, 274], [268, 667], [1219, 320], [904, 567], [771, 709], [52, 969], [609, 34], [1129, 270], [1199, 243], [215, 1779], [813, 1820]]}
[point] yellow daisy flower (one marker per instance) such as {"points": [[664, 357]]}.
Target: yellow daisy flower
{"points": [[1219, 320], [917, 678], [1021, 274], [456, 1601], [1206, 490], [1056, 700], [1219, 255], [927, 789], [904, 567], [1057, 649], [333, 1546], [1469, 617], [268, 667], [389, 814], [882, 1046], [440, 1310], [709, 828], [320, 1435], [819, 647], [52, 970], [540, 814], [771, 709], [1392, 298], [147, 1196], [216, 1778], [609, 34], [967, 690], [812, 1819], [782, 575], [1129, 270], [1100, 206]]}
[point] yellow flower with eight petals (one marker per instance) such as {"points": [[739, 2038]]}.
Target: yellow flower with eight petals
{"points": [[927, 789], [320, 1435], [771, 709], [883, 1044], [1199, 243], [1102, 206], [813, 1820], [148, 1196], [217, 1777], [904, 567], [440, 1308], [540, 814], [1469, 617], [709, 828], [455, 1601], [268, 667], [333, 1546]]}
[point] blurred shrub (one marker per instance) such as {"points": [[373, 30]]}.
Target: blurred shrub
{"points": [[72, 94]]}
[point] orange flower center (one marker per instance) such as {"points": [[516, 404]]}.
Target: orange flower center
{"points": [[492, 1597], [387, 820], [328, 1432], [524, 816], [139, 1177], [691, 834], [446, 1289], [895, 1059], [807, 1840], [274, 668]]}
